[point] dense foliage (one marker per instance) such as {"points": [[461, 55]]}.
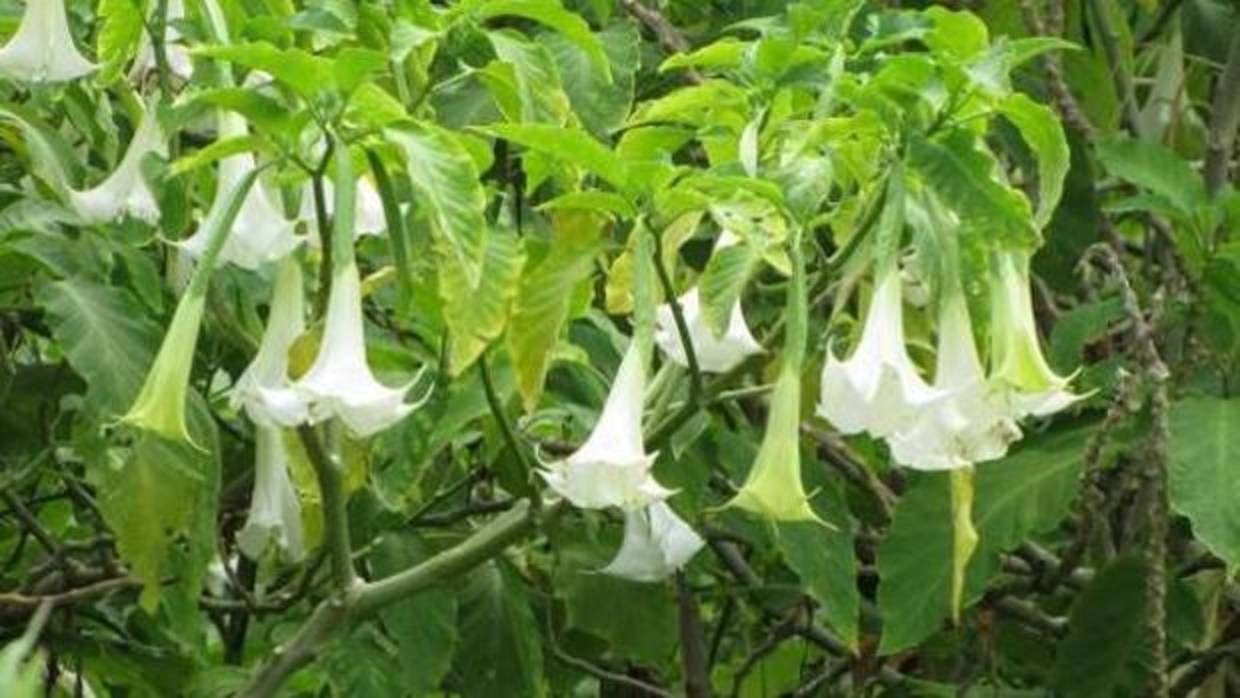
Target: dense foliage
{"points": [[577, 347]]}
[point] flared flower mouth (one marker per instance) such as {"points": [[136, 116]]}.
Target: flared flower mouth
{"points": [[261, 232], [969, 424], [878, 389], [125, 191], [612, 468], [657, 543], [340, 382], [1019, 370], [275, 510], [42, 50]]}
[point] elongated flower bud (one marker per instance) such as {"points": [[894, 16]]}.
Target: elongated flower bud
{"points": [[125, 192], [42, 50], [656, 544], [612, 468], [160, 405]]}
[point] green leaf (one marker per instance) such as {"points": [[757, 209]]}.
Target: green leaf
{"points": [[914, 565], [965, 177], [1039, 126], [1204, 475], [477, 316], [723, 280], [501, 651], [552, 15], [824, 560], [353, 67], [1103, 654], [120, 30], [106, 336], [446, 180], [49, 154], [424, 626], [724, 53], [264, 112], [601, 104], [644, 632], [1154, 167], [308, 75], [959, 34], [543, 300], [569, 145], [1077, 328]]}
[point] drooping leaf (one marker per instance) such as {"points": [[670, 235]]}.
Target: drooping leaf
{"points": [[477, 316], [1154, 167], [552, 15], [446, 179], [307, 74], [723, 280], [1204, 473], [573, 146], [1104, 653], [1040, 128], [500, 652]]}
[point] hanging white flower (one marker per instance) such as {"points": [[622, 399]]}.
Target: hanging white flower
{"points": [[1019, 371], [968, 425], [878, 389], [612, 468], [275, 510], [175, 51], [368, 220], [264, 389], [261, 233], [714, 353], [42, 50], [656, 544], [125, 191]]}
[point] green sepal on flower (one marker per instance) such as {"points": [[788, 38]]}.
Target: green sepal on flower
{"points": [[160, 405]]}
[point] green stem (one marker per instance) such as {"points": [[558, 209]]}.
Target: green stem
{"points": [[335, 508]]}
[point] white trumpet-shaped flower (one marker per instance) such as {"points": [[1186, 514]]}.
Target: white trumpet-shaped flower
{"points": [[1019, 371], [656, 544], [275, 510], [878, 389], [612, 468], [42, 50], [261, 232], [340, 383], [264, 389], [369, 218], [714, 353], [176, 53], [125, 191], [968, 425]]}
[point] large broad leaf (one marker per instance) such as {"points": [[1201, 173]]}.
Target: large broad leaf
{"points": [[1104, 653], [569, 145], [424, 626], [914, 565], [120, 29], [524, 81], [1040, 128], [446, 180], [602, 104], [104, 332], [965, 178], [543, 300], [49, 154], [645, 631], [477, 316], [1204, 476], [501, 648], [1155, 167], [1026, 493], [825, 561], [551, 14], [307, 74]]}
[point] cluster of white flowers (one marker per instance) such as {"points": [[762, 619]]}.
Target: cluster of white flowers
{"points": [[967, 414]]}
